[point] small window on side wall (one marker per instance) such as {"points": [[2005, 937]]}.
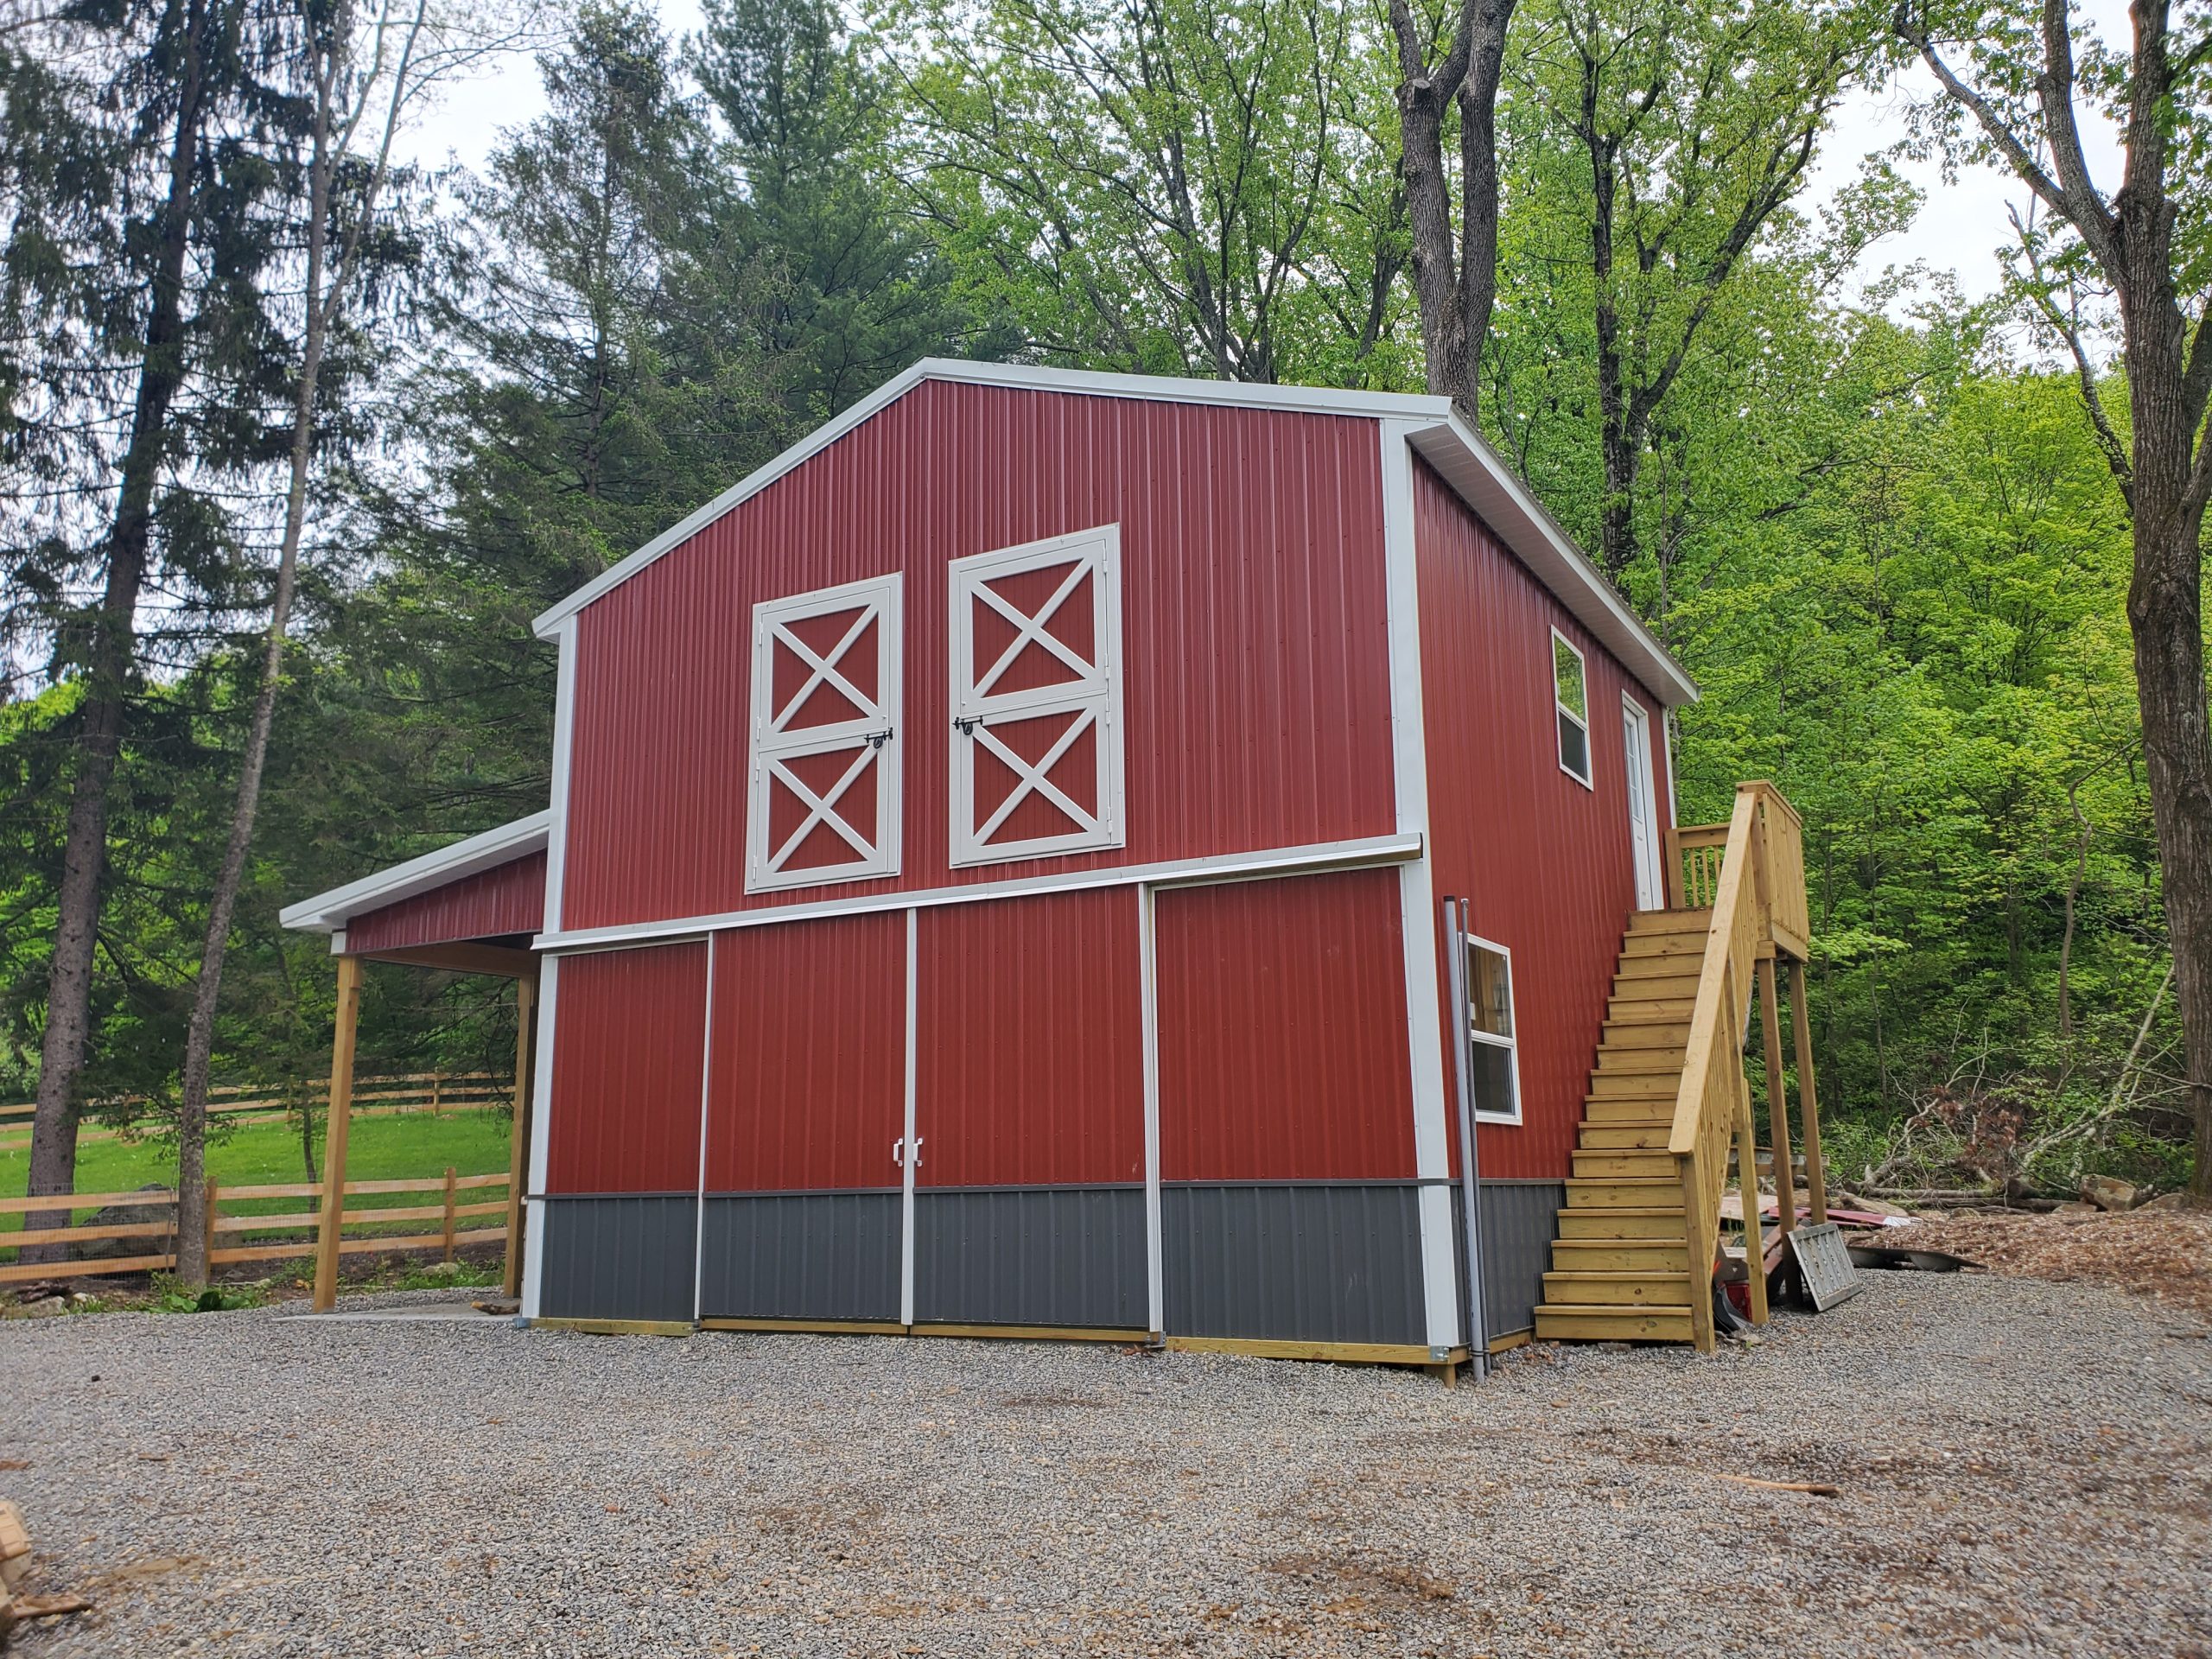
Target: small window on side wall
{"points": [[1495, 1069], [1571, 701]]}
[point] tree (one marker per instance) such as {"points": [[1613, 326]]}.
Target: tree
{"points": [[2147, 244], [178, 111], [1456, 294], [857, 291], [362, 73], [1159, 184], [1676, 137]]}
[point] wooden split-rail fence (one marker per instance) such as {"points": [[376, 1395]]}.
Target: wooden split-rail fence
{"points": [[414, 1091], [250, 1234]]}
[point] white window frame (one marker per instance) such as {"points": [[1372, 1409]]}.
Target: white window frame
{"points": [[1097, 691], [1510, 1044], [879, 597], [1560, 708]]}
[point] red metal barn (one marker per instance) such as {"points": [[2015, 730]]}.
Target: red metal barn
{"points": [[996, 876]]}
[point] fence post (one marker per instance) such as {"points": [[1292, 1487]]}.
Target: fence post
{"points": [[450, 1173], [207, 1232], [436, 1078]]}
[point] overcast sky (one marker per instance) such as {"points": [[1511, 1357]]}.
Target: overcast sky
{"points": [[1960, 228]]}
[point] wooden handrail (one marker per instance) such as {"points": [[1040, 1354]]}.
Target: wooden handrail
{"points": [[1757, 894]]}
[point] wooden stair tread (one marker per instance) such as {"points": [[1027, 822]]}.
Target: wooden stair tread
{"points": [[1613, 1322]]}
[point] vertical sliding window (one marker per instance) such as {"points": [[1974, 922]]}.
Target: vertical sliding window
{"points": [[1493, 1046], [1571, 700]]}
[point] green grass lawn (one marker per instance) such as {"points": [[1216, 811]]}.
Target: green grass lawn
{"points": [[411, 1144]]}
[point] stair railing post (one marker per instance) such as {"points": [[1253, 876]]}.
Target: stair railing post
{"points": [[1809, 1103], [1777, 1103], [1747, 1157]]}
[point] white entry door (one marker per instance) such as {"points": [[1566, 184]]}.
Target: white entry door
{"points": [[1642, 814]]}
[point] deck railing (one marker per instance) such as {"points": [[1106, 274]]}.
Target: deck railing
{"points": [[1750, 872]]}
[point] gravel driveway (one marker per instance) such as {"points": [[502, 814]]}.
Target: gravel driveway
{"points": [[2025, 1468]]}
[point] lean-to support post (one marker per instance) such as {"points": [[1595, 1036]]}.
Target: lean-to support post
{"points": [[1809, 1100], [337, 1123], [518, 1135], [1777, 1099]]}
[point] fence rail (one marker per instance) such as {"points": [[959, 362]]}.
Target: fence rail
{"points": [[416, 1091], [236, 1235]]}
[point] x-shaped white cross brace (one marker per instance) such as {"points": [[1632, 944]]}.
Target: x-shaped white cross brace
{"points": [[1033, 779], [824, 668], [1030, 628], [823, 808]]}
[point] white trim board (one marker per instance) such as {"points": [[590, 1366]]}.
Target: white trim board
{"points": [[1475, 472], [327, 911], [1190, 872], [1416, 897]]}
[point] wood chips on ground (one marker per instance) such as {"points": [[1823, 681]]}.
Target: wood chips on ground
{"points": [[2164, 1253]]}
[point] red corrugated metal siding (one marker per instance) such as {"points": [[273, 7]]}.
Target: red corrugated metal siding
{"points": [[510, 899], [1545, 864], [809, 1087], [1282, 1031], [629, 1038], [1255, 643], [1031, 1059]]}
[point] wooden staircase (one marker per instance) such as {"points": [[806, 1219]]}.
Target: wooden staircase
{"points": [[1668, 1114], [1620, 1266]]}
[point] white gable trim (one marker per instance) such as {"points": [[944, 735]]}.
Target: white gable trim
{"points": [[327, 912]]}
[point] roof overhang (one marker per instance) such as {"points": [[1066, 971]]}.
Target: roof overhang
{"points": [[1485, 483], [328, 911], [1470, 466]]}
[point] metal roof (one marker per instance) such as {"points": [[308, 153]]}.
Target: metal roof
{"points": [[327, 911]]}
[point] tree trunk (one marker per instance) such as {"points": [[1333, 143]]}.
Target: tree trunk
{"points": [[1478, 197], [2165, 613], [200, 1035], [112, 651], [1455, 293]]}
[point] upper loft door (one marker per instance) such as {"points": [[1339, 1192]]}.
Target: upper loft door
{"points": [[1642, 816]]}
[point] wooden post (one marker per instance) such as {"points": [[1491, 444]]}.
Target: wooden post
{"points": [[1777, 1100], [518, 1138], [1671, 889], [1747, 1160], [207, 1232], [1693, 1232], [436, 1078], [335, 1125], [1809, 1100], [450, 1173]]}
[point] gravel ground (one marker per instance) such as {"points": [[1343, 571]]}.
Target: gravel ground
{"points": [[2026, 1467]]}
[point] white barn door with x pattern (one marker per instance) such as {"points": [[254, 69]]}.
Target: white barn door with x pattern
{"points": [[1036, 699], [823, 803]]}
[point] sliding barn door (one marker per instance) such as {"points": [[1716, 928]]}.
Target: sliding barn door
{"points": [[804, 1212], [1029, 1206]]}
